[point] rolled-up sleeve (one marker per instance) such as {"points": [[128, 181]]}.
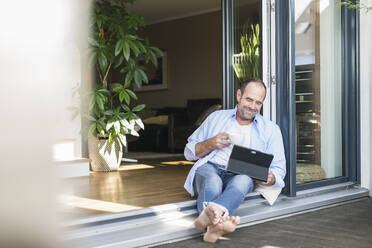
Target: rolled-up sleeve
{"points": [[190, 151], [278, 165], [199, 135]]}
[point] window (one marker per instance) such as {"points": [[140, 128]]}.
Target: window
{"points": [[318, 82]]}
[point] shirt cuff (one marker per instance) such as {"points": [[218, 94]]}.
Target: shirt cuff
{"points": [[279, 183], [190, 151]]}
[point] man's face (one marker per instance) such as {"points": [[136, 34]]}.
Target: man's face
{"points": [[250, 102]]}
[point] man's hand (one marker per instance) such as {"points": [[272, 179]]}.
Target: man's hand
{"points": [[270, 180], [219, 141]]}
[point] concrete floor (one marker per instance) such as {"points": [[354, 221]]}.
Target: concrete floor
{"points": [[348, 225]]}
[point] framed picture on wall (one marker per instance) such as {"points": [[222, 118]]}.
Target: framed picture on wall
{"points": [[157, 76]]}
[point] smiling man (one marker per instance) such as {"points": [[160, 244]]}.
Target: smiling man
{"points": [[221, 192]]}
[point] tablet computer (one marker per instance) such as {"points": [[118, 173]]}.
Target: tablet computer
{"points": [[250, 162]]}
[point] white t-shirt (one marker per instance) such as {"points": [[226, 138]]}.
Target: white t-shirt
{"points": [[243, 132]]}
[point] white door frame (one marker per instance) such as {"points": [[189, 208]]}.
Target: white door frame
{"points": [[268, 58]]}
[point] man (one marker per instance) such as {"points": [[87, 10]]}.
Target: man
{"points": [[220, 192]]}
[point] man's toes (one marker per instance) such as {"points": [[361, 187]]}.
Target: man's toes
{"points": [[236, 220]]}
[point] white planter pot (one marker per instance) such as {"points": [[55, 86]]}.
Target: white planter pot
{"points": [[105, 156]]}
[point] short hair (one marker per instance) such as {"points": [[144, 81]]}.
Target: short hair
{"points": [[252, 80]]}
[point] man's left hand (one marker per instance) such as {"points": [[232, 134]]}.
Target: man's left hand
{"points": [[270, 180]]}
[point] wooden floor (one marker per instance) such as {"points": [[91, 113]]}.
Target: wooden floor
{"points": [[344, 226], [149, 182]]}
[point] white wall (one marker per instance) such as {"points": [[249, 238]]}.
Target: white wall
{"points": [[39, 64], [365, 94], [194, 64]]}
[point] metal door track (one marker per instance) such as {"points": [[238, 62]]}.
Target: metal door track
{"points": [[174, 222]]}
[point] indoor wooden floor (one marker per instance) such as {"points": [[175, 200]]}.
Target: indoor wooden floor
{"points": [[149, 182]]}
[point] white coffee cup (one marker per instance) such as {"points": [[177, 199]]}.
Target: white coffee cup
{"points": [[236, 138]]}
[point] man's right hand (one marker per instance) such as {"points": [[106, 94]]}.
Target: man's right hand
{"points": [[219, 141]]}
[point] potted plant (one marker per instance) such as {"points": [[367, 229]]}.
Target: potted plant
{"points": [[247, 63], [115, 44]]}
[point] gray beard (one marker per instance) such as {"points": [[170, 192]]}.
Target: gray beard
{"points": [[241, 115]]}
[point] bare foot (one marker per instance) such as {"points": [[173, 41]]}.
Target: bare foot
{"points": [[225, 225], [209, 216]]}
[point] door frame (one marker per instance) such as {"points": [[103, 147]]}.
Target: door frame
{"points": [[281, 82]]}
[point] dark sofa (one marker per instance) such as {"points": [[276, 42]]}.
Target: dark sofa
{"points": [[171, 136]]}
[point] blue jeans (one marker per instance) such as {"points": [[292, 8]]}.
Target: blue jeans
{"points": [[221, 187]]}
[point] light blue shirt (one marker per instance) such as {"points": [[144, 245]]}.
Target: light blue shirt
{"points": [[265, 137]]}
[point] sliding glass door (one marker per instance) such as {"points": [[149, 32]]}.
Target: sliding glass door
{"points": [[248, 48], [318, 91], [306, 53]]}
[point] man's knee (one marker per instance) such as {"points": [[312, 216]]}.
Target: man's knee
{"points": [[205, 170], [206, 178], [243, 183]]}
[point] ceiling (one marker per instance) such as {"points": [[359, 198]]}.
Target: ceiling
{"points": [[156, 11]]}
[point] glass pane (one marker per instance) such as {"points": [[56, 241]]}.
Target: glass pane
{"points": [[246, 48], [318, 90]]}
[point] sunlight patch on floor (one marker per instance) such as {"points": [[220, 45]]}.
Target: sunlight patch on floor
{"points": [[135, 167], [177, 163], [170, 214], [86, 203]]}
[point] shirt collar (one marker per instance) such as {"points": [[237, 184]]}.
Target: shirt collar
{"points": [[256, 120]]}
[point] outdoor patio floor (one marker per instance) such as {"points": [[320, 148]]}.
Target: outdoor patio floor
{"points": [[348, 225]]}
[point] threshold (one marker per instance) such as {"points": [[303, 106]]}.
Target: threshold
{"points": [[174, 222]]}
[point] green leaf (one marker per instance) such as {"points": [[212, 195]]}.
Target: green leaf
{"points": [[134, 132], [126, 51], [123, 139], [117, 87], [123, 95], [139, 107], [99, 102], [101, 123], [100, 129], [92, 59], [117, 126], [92, 102], [99, 23], [119, 61], [108, 112], [91, 118], [144, 76], [129, 76], [92, 129], [134, 116], [141, 46], [157, 51], [104, 91], [134, 47], [137, 78], [126, 97], [118, 47], [127, 115], [131, 37], [140, 123], [102, 60], [125, 107], [127, 84], [92, 42], [131, 93], [109, 125], [153, 58], [126, 124]]}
